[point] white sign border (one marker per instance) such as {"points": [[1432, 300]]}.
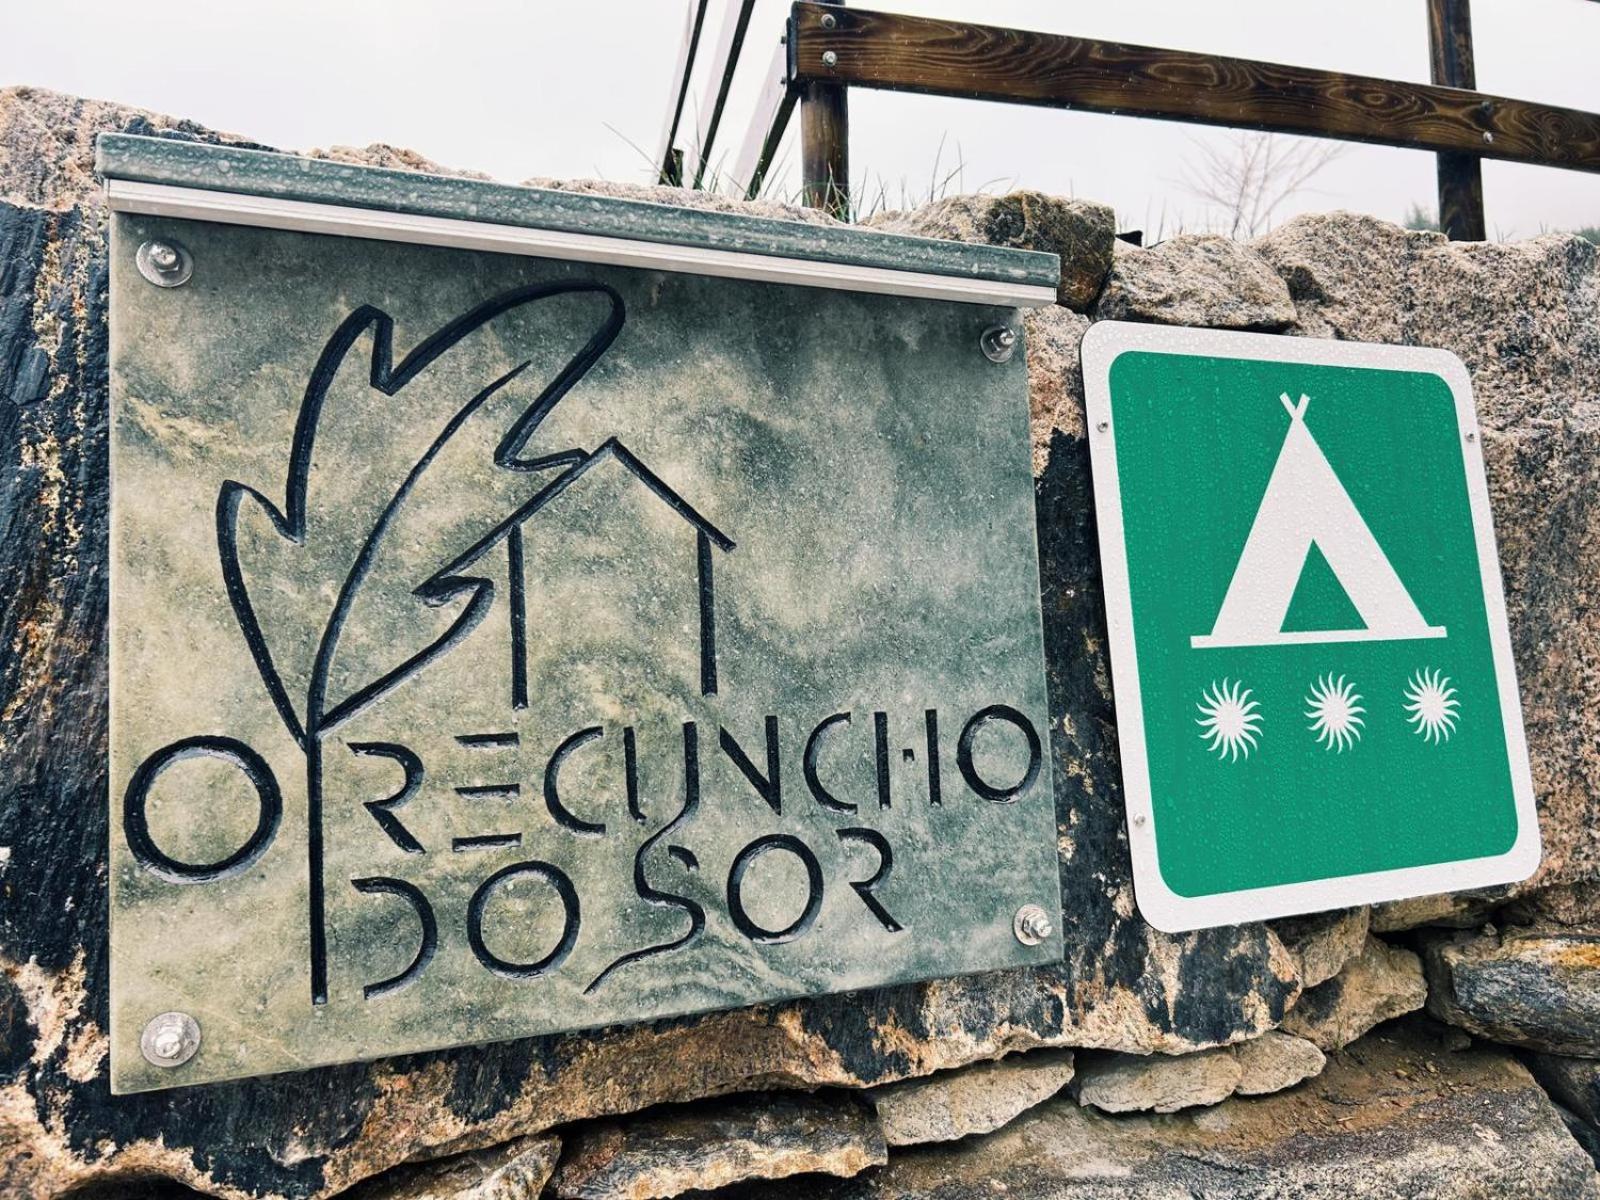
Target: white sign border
{"points": [[1163, 908]]}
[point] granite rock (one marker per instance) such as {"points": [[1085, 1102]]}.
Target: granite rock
{"points": [[1322, 943], [972, 1100], [47, 146], [1573, 1082], [1534, 987], [1055, 376], [1275, 1061], [1382, 983], [1392, 1118], [1082, 232], [1525, 319], [1128, 1083], [1585, 1134], [1120, 985], [1574, 905], [1449, 911], [1122, 1083], [516, 1170], [1195, 279], [665, 1153]]}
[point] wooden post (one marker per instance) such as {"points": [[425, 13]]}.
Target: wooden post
{"points": [[825, 145], [1460, 174]]}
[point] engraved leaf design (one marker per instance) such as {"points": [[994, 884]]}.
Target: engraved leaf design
{"points": [[297, 665]]}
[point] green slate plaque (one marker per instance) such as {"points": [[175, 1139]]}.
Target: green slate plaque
{"points": [[505, 643], [1316, 701]]}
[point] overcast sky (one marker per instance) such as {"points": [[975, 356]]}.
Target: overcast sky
{"points": [[562, 90]]}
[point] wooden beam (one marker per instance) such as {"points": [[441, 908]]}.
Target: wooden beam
{"points": [[669, 159], [773, 108], [825, 129], [953, 58], [1460, 175]]}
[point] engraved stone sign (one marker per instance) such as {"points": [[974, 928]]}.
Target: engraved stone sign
{"points": [[508, 642]]}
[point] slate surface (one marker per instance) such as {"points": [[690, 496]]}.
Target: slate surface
{"points": [[371, 551]]}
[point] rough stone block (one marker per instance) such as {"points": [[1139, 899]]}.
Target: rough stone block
{"points": [[1392, 1118], [515, 1170], [1383, 983], [1128, 1083], [1195, 280], [1275, 1061], [1122, 1083], [1322, 943], [1080, 231], [1449, 911], [666, 1153], [971, 1100], [1525, 319], [1574, 1082], [1535, 987]]}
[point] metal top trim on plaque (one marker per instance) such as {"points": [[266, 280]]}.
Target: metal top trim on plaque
{"points": [[168, 177]]}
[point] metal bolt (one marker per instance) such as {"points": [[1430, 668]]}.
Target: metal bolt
{"points": [[1488, 137], [829, 20], [1031, 925], [998, 343], [1139, 820], [170, 1040], [165, 264], [1102, 426], [1471, 436], [830, 59]]}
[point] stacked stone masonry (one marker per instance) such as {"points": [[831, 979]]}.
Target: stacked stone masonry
{"points": [[1446, 1047]]}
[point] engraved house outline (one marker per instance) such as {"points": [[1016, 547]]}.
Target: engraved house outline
{"points": [[451, 582]]}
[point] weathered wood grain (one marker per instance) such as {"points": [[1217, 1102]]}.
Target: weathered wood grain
{"points": [[825, 136], [1460, 175], [953, 58]]}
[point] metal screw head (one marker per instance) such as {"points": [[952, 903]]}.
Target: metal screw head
{"points": [[1102, 426], [829, 21], [1031, 925], [170, 1040], [1488, 137], [1471, 436], [998, 343], [165, 264], [830, 59]]}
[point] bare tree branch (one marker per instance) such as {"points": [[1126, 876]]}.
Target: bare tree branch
{"points": [[1249, 179]]}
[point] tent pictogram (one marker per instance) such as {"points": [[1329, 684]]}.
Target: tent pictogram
{"points": [[1306, 504]]}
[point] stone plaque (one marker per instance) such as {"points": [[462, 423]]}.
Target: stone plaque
{"points": [[504, 644]]}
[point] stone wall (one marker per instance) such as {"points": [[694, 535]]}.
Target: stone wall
{"points": [[1442, 1047]]}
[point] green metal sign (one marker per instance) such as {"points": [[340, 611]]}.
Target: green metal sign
{"points": [[1316, 699]]}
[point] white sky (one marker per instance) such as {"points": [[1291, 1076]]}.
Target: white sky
{"points": [[539, 88]]}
